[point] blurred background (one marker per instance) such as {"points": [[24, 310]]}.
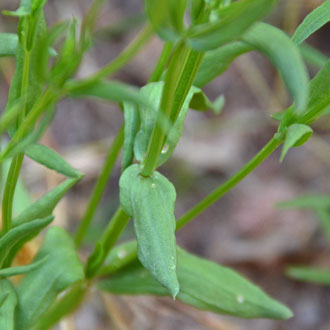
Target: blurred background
{"points": [[244, 229]]}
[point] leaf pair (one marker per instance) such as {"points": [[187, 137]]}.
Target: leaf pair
{"points": [[204, 285]]}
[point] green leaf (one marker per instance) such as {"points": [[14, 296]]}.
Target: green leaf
{"points": [[150, 201], [217, 61], [45, 205], [13, 240], [195, 9], [94, 260], [284, 54], [39, 288], [309, 274], [313, 56], [8, 44], [64, 306], [167, 17], [233, 21], [312, 22], [148, 116], [19, 270], [8, 306], [119, 257], [319, 98], [204, 285], [52, 160], [201, 102], [107, 91], [306, 202], [132, 122], [296, 135]]}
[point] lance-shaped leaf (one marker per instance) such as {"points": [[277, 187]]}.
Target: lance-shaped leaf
{"points": [[312, 22], [19, 270], [8, 44], [45, 205], [8, 305], [148, 116], [217, 61], [106, 90], [51, 159], [39, 288], [132, 122], [150, 202], [13, 240], [167, 17], [296, 135], [306, 202], [204, 285], [309, 274], [233, 21], [284, 54]]}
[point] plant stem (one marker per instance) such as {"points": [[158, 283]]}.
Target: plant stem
{"points": [[99, 187], [161, 64], [229, 184], [8, 195], [179, 78]]}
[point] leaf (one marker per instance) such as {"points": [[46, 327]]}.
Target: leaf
{"points": [[52, 160], [201, 102], [8, 44], [64, 306], [309, 274], [148, 116], [39, 288], [312, 22], [94, 260], [107, 91], [12, 240], [204, 285], [8, 306], [19, 270], [233, 21], [296, 135], [150, 201], [306, 202], [195, 9], [45, 205], [167, 17], [132, 122], [313, 56], [285, 55], [119, 257], [319, 98], [217, 61]]}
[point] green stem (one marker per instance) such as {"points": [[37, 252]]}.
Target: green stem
{"points": [[8, 195], [161, 64], [229, 184], [99, 187], [179, 78]]}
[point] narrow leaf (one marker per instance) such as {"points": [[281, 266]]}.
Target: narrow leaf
{"points": [[150, 201], [8, 306], [39, 288], [306, 202], [296, 135], [284, 54], [233, 21], [312, 22], [19, 270], [51, 159], [309, 274], [15, 236], [45, 205], [132, 122], [8, 44], [217, 61], [204, 285]]}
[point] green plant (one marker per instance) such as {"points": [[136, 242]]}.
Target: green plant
{"points": [[46, 62]]}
